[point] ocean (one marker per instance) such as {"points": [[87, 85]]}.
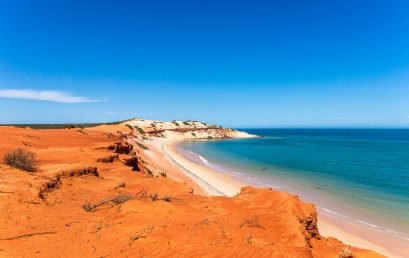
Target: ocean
{"points": [[358, 175]]}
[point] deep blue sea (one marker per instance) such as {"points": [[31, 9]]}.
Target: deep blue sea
{"points": [[361, 174]]}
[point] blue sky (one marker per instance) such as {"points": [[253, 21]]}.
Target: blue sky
{"points": [[235, 63]]}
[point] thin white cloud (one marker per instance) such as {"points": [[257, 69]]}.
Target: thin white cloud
{"points": [[45, 95]]}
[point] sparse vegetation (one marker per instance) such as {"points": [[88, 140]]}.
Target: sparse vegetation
{"points": [[167, 198], [130, 127], [210, 137], [175, 123], [141, 145], [186, 123], [140, 130], [194, 134], [122, 198], [21, 159], [155, 197], [163, 174], [69, 126], [149, 172], [61, 126]]}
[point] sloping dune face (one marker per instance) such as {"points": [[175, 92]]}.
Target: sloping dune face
{"points": [[94, 195]]}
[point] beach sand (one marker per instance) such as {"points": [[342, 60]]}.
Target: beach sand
{"points": [[212, 182]]}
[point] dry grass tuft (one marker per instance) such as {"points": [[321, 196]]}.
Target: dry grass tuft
{"points": [[122, 198], [21, 159]]}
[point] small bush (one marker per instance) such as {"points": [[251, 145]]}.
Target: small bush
{"points": [[175, 123], [167, 198], [21, 159], [163, 174], [186, 123], [154, 197], [69, 126], [149, 172], [140, 130], [130, 126], [142, 146]]}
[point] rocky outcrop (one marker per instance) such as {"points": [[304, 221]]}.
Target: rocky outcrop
{"points": [[346, 253], [134, 163], [121, 148], [310, 226], [108, 159], [184, 129]]}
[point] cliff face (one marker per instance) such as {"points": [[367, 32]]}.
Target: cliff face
{"points": [[96, 196], [185, 129]]}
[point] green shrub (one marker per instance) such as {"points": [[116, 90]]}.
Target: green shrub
{"points": [[21, 159], [130, 127], [140, 130], [61, 126], [69, 126], [142, 146]]}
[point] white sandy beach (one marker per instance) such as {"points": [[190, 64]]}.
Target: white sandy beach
{"points": [[212, 182]]}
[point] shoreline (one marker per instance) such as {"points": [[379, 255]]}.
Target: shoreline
{"points": [[216, 183], [212, 182]]}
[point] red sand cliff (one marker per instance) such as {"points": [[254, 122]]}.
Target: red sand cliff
{"points": [[69, 209]]}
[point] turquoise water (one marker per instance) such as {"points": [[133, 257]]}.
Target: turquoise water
{"points": [[359, 174]]}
